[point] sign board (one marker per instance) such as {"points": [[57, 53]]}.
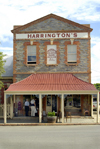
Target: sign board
{"points": [[51, 35], [51, 54]]}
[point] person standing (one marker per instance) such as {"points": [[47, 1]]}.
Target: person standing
{"points": [[26, 107], [33, 107], [19, 107]]}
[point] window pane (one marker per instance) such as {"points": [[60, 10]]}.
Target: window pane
{"points": [[71, 49], [71, 57], [31, 50], [72, 53], [32, 58]]}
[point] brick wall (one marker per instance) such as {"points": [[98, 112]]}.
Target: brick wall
{"points": [[82, 70], [83, 65]]}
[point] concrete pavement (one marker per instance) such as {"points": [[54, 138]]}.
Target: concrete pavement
{"points": [[47, 137], [35, 120]]}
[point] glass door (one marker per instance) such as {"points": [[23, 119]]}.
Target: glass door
{"points": [[54, 103]]}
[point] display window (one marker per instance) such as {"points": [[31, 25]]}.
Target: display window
{"points": [[72, 101]]}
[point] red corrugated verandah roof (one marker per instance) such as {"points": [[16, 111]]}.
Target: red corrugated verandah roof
{"points": [[51, 82]]}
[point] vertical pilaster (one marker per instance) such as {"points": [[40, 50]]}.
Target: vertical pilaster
{"points": [[98, 107]]}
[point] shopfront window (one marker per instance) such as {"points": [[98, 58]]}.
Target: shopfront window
{"points": [[72, 101], [51, 103]]}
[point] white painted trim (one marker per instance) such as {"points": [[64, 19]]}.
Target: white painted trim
{"points": [[51, 92], [92, 105]]}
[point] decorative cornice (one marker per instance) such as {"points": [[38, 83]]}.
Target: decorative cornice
{"points": [[80, 72]]}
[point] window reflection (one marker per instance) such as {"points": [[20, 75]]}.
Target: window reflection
{"points": [[72, 101]]}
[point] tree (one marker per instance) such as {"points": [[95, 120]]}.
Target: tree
{"points": [[97, 86], [1, 68]]}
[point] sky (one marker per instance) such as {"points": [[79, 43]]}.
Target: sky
{"points": [[20, 12]]}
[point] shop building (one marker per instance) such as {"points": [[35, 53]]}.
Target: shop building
{"points": [[52, 62]]}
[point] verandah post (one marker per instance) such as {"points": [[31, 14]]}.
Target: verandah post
{"points": [[98, 107], [92, 105]]}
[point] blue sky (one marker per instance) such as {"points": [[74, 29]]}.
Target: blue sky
{"points": [[21, 12]]}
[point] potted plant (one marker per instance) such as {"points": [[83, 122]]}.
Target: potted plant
{"points": [[51, 118]]}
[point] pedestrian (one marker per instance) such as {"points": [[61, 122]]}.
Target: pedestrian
{"points": [[33, 107], [26, 107]]}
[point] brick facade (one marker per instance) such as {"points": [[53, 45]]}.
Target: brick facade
{"points": [[82, 69], [82, 66], [51, 24]]}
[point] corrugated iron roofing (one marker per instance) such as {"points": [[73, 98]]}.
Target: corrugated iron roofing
{"points": [[8, 66], [51, 82]]}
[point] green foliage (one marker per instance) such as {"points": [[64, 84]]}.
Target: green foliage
{"points": [[97, 86], [51, 114], [1, 67]]}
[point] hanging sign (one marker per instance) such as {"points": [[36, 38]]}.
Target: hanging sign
{"points": [[51, 54]]}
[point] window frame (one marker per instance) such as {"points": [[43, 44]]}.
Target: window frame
{"points": [[26, 55], [34, 62], [72, 61], [45, 53], [77, 43]]}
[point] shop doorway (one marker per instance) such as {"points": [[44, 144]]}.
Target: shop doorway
{"points": [[51, 103], [54, 103]]}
